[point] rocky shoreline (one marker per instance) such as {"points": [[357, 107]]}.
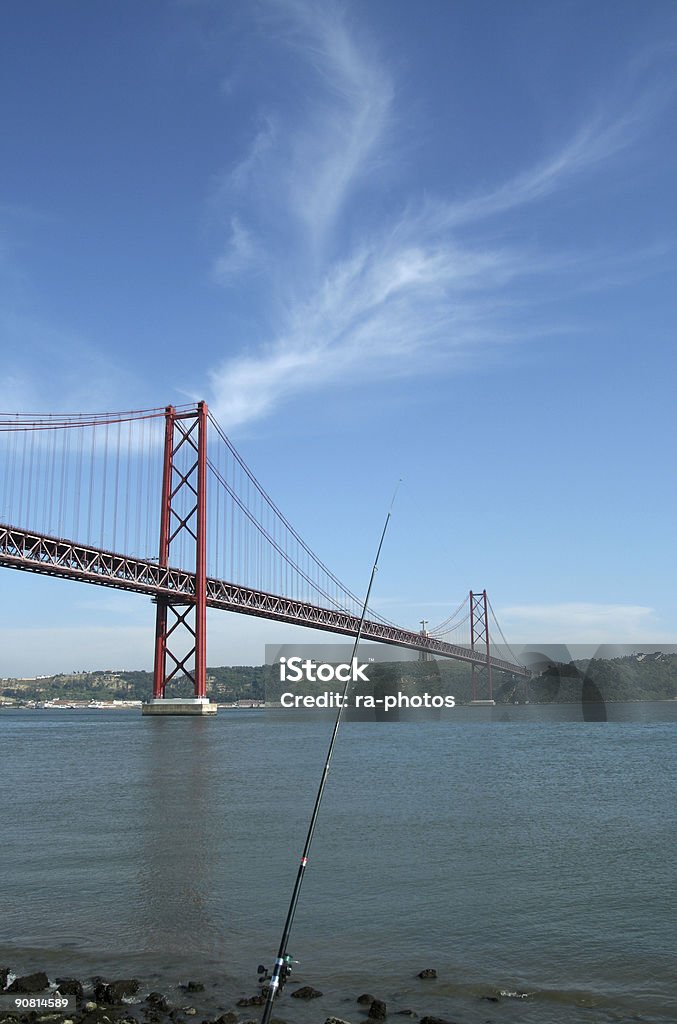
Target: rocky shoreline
{"points": [[123, 1001]]}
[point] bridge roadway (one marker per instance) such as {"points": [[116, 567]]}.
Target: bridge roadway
{"points": [[51, 556]]}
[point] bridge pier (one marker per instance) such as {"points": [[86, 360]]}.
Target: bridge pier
{"points": [[179, 706]]}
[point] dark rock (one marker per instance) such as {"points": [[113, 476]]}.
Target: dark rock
{"points": [[227, 1018], [306, 992], [435, 1020], [4, 972], [336, 1020], [100, 993], [377, 1010], [406, 1013], [366, 998], [252, 1001], [429, 972], [492, 999], [158, 1001], [113, 992], [192, 986], [98, 1016], [70, 987], [124, 989], [37, 982]]}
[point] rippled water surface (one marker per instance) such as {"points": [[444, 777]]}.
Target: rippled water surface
{"points": [[521, 851]]}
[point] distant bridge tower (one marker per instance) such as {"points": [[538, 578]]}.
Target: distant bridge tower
{"points": [[181, 621], [479, 637]]}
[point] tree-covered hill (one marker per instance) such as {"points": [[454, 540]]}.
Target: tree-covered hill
{"points": [[639, 676]]}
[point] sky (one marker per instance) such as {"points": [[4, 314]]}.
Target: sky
{"points": [[433, 242]]}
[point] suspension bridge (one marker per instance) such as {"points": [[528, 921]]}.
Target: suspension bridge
{"points": [[159, 502]]}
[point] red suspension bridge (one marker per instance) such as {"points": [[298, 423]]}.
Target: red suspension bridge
{"points": [[86, 493]]}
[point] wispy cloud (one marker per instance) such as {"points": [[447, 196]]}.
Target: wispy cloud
{"points": [[339, 143], [594, 144], [375, 299], [582, 623], [240, 253], [367, 314], [240, 177]]}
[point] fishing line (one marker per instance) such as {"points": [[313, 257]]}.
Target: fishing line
{"points": [[283, 963]]}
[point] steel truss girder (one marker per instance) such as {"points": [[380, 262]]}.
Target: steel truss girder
{"points": [[51, 556]]}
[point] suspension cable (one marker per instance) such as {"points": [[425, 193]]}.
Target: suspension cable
{"points": [[266, 497], [498, 626], [441, 628]]}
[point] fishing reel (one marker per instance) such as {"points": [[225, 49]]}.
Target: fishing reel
{"points": [[285, 971]]}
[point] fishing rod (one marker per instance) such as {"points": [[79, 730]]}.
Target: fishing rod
{"points": [[283, 963]]}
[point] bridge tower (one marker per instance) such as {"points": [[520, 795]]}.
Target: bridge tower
{"points": [[479, 637], [181, 621]]}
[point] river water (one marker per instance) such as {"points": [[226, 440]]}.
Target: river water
{"points": [[522, 852]]}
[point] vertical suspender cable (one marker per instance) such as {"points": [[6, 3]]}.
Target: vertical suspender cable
{"points": [[22, 477], [128, 471], [139, 479], [116, 489], [31, 474], [147, 483], [12, 514], [105, 485], [90, 497], [44, 467], [77, 489], [63, 484], [241, 539], [217, 531], [229, 568]]}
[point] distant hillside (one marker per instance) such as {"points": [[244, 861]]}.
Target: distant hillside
{"points": [[641, 676], [238, 682]]}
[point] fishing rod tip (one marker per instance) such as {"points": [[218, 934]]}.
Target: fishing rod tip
{"points": [[395, 494]]}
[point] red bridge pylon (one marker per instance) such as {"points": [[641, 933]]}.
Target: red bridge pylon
{"points": [[181, 622], [479, 637]]}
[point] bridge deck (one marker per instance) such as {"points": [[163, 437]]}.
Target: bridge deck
{"points": [[52, 556]]}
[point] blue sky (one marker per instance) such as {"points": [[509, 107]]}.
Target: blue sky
{"points": [[382, 240]]}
